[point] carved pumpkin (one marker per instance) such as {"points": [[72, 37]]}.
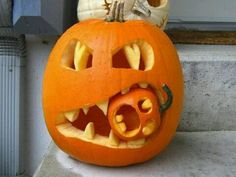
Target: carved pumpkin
{"points": [[108, 89], [154, 11]]}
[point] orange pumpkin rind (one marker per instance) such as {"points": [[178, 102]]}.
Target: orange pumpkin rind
{"points": [[79, 90]]}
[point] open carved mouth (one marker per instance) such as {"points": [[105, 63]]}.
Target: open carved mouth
{"points": [[124, 120], [119, 125]]}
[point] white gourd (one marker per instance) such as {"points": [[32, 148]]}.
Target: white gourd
{"points": [[88, 9]]}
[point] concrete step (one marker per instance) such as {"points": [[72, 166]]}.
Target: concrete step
{"points": [[200, 154], [210, 87]]}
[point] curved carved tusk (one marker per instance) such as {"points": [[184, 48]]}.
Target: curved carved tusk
{"points": [[169, 100]]}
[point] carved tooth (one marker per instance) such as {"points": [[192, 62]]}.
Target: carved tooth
{"points": [[113, 139], [122, 126], [103, 106], [124, 91], [64, 126], [68, 130], [85, 110], [147, 104], [72, 115], [81, 55], [143, 85], [147, 131], [89, 131], [137, 142], [60, 119], [119, 118], [132, 53], [147, 55], [149, 128]]}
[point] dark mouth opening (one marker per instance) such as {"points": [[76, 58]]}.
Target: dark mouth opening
{"points": [[100, 120], [101, 123], [95, 115], [90, 122]]}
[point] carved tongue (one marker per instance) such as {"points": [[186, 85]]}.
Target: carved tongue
{"points": [[134, 115]]}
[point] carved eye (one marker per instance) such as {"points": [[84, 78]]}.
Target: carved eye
{"points": [[77, 56], [154, 3], [138, 55]]}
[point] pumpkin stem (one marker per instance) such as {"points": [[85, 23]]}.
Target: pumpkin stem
{"points": [[116, 12], [169, 100]]}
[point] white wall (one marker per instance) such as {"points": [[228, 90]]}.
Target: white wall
{"points": [[37, 138]]}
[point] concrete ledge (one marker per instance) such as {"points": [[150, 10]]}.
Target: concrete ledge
{"points": [[210, 87], [201, 154]]}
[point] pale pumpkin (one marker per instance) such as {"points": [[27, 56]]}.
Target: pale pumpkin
{"points": [[108, 89], [154, 11]]}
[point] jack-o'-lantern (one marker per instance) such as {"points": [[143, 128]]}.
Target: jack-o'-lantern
{"points": [[112, 92]]}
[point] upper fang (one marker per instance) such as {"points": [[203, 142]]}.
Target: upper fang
{"points": [[85, 110], [132, 53], [72, 115], [103, 106]]}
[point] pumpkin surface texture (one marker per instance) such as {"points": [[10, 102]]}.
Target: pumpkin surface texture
{"points": [[112, 92]]}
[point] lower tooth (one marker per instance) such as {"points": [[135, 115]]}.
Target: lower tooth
{"points": [[146, 131], [143, 85], [137, 142], [124, 91], [149, 128], [63, 126], [89, 131], [119, 118], [113, 140], [123, 127], [67, 130]]}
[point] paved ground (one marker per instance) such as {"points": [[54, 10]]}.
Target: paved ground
{"points": [[191, 154]]}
